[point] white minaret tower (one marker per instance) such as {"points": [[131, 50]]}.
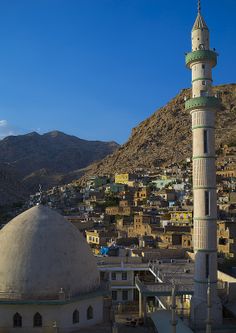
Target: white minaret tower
{"points": [[203, 107]]}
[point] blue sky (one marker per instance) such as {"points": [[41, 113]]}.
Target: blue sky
{"points": [[96, 68]]}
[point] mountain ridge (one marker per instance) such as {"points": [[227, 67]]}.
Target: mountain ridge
{"points": [[165, 137], [45, 158]]}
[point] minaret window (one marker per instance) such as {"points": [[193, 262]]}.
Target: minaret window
{"points": [[207, 266], [207, 203], [205, 141]]}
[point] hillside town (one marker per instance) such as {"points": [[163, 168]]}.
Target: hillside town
{"points": [[147, 251], [145, 211]]}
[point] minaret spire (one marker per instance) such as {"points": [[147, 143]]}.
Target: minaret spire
{"points": [[199, 7]]}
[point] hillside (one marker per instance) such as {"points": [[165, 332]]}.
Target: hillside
{"points": [[32, 159], [166, 137]]}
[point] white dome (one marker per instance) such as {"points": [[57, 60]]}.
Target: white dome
{"points": [[40, 253]]}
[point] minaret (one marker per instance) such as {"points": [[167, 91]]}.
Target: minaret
{"points": [[203, 107]]}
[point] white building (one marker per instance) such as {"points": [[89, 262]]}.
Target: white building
{"points": [[48, 275], [121, 277]]}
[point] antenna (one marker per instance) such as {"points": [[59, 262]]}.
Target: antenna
{"points": [[173, 320], [40, 195]]}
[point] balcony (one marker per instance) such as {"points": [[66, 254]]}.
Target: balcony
{"points": [[122, 283], [164, 289], [208, 102], [201, 55]]}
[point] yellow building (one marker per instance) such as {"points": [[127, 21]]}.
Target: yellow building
{"points": [[187, 241], [124, 178], [117, 210], [181, 216], [228, 172], [226, 235], [99, 237], [140, 195]]}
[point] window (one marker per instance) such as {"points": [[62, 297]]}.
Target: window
{"points": [[124, 275], [75, 318], [113, 276], [222, 241], [37, 320], [90, 313], [207, 203], [124, 295], [203, 66], [203, 83], [114, 295], [205, 141], [207, 266], [17, 320]]}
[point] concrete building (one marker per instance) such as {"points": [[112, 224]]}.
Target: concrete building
{"points": [[48, 275], [181, 217], [144, 224], [125, 178], [141, 195], [100, 237], [121, 273], [203, 106], [226, 235]]}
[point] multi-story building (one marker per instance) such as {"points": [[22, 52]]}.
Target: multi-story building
{"points": [[228, 171], [144, 224], [141, 195], [226, 235], [118, 210], [100, 237], [125, 178], [121, 273], [181, 217]]}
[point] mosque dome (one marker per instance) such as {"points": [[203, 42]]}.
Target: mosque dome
{"points": [[41, 253]]}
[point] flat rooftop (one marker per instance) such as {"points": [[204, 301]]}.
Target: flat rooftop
{"points": [[181, 271]]}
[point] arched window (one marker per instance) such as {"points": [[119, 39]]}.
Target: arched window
{"points": [[17, 320], [90, 312], [38, 320], [75, 317]]}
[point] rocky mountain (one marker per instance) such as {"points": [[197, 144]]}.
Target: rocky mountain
{"points": [[166, 137], [32, 159]]}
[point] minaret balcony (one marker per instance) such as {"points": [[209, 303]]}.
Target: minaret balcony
{"points": [[208, 102], [201, 55]]}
